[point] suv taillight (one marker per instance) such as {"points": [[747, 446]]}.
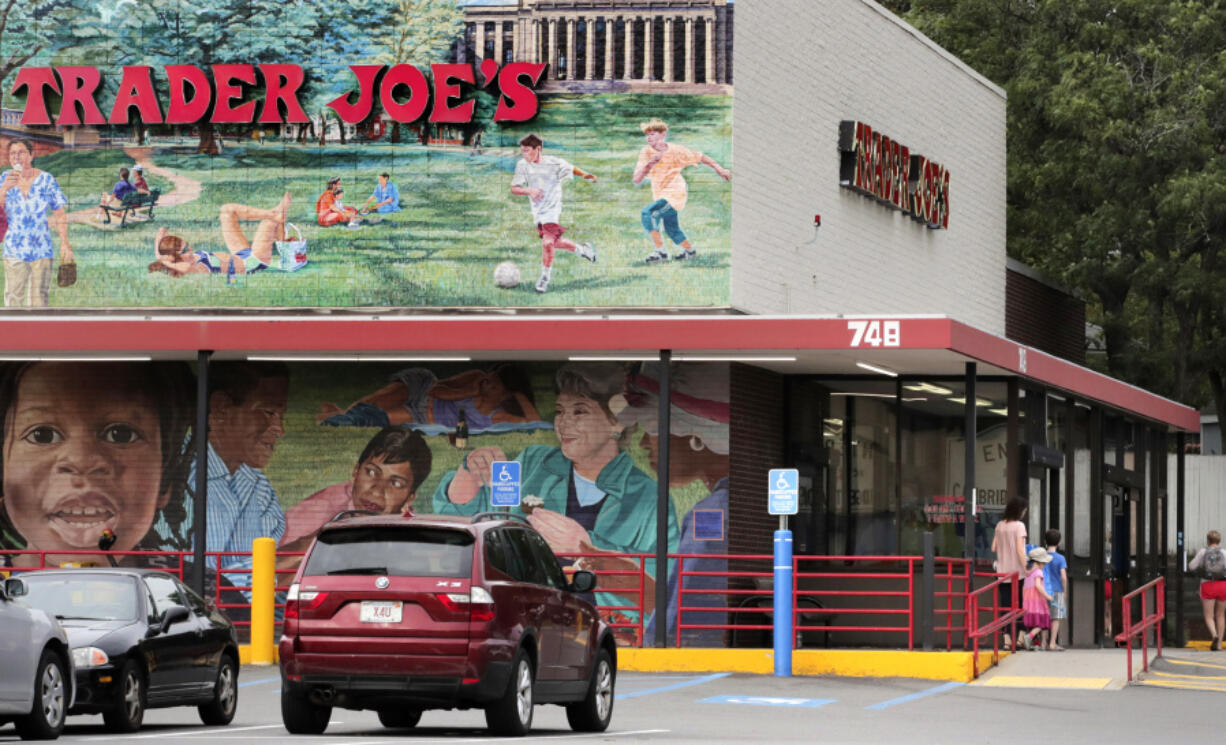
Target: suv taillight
{"points": [[298, 600], [478, 600]]}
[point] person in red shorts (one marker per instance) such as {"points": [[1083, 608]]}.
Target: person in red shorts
{"points": [[1211, 562]]}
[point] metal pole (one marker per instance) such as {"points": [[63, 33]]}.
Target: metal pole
{"points": [[783, 599], [928, 590], [662, 497], [201, 487], [968, 481], [1181, 554]]}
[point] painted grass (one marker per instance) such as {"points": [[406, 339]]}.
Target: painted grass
{"points": [[459, 221], [311, 456]]}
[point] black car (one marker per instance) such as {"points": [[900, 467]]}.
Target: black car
{"points": [[140, 639]]}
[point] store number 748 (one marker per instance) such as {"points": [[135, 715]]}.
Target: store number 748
{"points": [[874, 333]]}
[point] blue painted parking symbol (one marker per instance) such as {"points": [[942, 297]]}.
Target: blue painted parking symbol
{"points": [[795, 703]]}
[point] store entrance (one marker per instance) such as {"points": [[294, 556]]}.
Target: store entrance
{"points": [[1122, 498]]}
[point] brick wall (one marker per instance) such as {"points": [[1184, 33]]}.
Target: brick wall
{"points": [[1045, 317], [757, 442], [804, 66]]}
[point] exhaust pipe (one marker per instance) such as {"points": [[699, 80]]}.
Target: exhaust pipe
{"points": [[322, 696]]}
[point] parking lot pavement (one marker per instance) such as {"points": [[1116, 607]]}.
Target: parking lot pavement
{"points": [[710, 709]]}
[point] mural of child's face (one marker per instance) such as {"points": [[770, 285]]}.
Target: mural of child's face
{"points": [[531, 154], [655, 138], [382, 486], [583, 429], [82, 454]]}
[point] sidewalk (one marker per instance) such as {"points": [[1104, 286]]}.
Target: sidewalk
{"points": [[1080, 669]]}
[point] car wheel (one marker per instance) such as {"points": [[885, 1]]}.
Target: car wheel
{"points": [[399, 718], [46, 718], [220, 710], [300, 716], [128, 708], [595, 711], [512, 713]]}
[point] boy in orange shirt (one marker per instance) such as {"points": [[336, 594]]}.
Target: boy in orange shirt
{"points": [[663, 163]]}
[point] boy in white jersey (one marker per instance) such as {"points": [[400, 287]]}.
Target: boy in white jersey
{"points": [[539, 177]]}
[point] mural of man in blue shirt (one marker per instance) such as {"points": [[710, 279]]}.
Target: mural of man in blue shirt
{"points": [[386, 197]]}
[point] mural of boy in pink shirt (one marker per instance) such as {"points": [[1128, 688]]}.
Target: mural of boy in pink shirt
{"points": [[394, 463]]}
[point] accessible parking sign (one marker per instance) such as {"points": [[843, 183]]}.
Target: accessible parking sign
{"points": [[783, 488]]}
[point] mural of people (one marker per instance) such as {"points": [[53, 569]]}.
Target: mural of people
{"points": [[593, 499], [698, 452], [89, 448], [415, 396], [385, 479], [386, 197], [27, 194]]}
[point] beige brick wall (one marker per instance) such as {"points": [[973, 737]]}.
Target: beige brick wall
{"points": [[802, 66]]}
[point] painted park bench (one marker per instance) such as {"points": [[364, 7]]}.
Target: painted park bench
{"points": [[132, 202]]}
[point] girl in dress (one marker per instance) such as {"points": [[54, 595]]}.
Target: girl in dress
{"points": [[1036, 616]]}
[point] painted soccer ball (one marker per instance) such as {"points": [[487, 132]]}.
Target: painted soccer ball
{"points": [[506, 275]]}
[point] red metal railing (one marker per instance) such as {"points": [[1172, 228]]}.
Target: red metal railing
{"points": [[848, 598], [957, 576], [743, 596], [1000, 619], [1148, 621], [623, 619]]}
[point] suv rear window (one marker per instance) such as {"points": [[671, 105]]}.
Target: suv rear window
{"points": [[397, 552]]}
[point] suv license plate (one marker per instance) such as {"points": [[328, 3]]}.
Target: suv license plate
{"points": [[379, 611]]}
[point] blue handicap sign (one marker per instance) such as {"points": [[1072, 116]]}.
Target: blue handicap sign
{"points": [[796, 703], [504, 483], [783, 488]]}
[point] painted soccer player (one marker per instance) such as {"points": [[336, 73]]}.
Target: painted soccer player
{"points": [[663, 162], [539, 177]]}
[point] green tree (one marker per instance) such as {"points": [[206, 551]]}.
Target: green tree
{"points": [[418, 32], [32, 31], [1116, 132]]}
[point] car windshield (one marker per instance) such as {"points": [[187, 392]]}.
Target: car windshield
{"points": [[74, 597], [397, 552]]}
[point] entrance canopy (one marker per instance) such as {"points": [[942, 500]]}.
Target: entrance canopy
{"points": [[834, 345]]}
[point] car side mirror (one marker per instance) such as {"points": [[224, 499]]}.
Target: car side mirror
{"points": [[583, 581], [14, 588], [173, 615]]}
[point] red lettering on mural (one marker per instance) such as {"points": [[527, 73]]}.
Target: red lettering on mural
{"points": [[136, 89], [227, 79], [518, 102], [281, 84], [79, 84], [419, 93], [34, 79], [445, 90], [353, 113], [184, 110]]}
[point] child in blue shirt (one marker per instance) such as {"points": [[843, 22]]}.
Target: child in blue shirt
{"points": [[1055, 579]]}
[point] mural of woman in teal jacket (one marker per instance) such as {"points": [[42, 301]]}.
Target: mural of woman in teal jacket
{"points": [[591, 498]]}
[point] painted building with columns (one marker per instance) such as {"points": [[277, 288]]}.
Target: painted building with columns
{"points": [[636, 45]]}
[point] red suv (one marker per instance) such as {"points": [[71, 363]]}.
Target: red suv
{"points": [[401, 614]]}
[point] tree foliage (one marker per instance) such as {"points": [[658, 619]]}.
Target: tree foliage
{"points": [[1116, 158]]}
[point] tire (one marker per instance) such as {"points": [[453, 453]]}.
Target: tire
{"points": [[399, 718], [300, 716], [595, 711], [511, 715], [220, 711], [46, 718], [128, 709]]}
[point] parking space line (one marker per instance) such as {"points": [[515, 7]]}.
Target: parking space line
{"points": [[258, 682], [914, 696], [674, 686], [632, 733]]}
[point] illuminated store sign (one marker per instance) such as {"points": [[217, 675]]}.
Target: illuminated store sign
{"points": [[882, 168]]}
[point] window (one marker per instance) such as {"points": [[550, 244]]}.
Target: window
{"points": [[80, 597], [547, 561], [392, 551], [525, 566], [165, 592], [495, 551]]}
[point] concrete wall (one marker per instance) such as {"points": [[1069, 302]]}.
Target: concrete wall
{"points": [[802, 68]]}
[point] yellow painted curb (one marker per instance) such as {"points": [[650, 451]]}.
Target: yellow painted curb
{"points": [[244, 655], [1035, 681], [882, 663]]}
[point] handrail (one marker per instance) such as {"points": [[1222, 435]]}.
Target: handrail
{"points": [[1146, 623], [998, 622]]}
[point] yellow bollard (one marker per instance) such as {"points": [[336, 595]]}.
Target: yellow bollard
{"points": [[263, 602]]}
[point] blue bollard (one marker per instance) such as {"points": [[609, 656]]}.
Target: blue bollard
{"points": [[783, 603]]}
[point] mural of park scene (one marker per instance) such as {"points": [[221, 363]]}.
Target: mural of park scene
{"points": [[292, 446], [622, 198]]}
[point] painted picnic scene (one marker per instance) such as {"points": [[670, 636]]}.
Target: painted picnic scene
{"points": [[614, 194]]}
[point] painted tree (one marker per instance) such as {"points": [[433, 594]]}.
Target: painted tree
{"points": [[418, 32], [1116, 158], [32, 32]]}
